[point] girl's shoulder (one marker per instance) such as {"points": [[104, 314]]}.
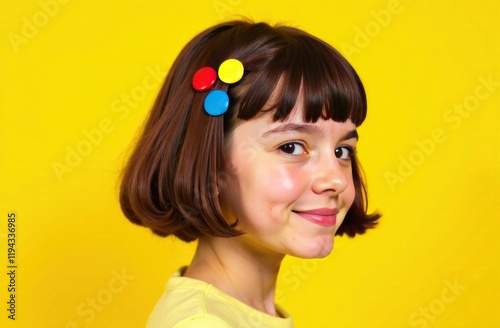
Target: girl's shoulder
{"points": [[191, 303], [194, 321]]}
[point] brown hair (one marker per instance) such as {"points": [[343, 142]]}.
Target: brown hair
{"points": [[171, 181]]}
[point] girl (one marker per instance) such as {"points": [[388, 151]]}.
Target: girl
{"points": [[250, 150]]}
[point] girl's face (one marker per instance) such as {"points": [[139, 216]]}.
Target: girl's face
{"points": [[290, 183]]}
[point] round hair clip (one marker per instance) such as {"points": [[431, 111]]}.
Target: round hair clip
{"points": [[216, 103], [204, 78], [231, 71]]}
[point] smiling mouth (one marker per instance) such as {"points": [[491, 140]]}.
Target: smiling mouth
{"points": [[323, 217]]}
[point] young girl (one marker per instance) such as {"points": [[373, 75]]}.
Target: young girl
{"points": [[250, 149]]}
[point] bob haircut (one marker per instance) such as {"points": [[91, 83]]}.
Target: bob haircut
{"points": [[173, 176]]}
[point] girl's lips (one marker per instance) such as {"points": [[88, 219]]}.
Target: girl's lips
{"points": [[325, 217]]}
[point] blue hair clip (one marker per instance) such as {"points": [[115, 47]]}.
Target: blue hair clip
{"points": [[217, 101]]}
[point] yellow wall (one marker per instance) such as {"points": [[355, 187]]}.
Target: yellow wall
{"points": [[78, 77]]}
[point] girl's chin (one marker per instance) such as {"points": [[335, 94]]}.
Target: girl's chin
{"points": [[319, 250]]}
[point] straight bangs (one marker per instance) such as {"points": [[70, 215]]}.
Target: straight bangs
{"points": [[306, 68]]}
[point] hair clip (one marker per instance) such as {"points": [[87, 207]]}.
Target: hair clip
{"points": [[217, 101]]}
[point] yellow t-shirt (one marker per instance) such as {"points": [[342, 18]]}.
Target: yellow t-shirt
{"points": [[192, 303]]}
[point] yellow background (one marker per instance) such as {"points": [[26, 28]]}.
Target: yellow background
{"points": [[78, 77]]}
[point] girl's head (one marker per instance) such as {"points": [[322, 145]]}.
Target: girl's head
{"points": [[184, 177]]}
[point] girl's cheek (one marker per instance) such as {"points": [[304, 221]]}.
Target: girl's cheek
{"points": [[286, 182], [349, 193]]}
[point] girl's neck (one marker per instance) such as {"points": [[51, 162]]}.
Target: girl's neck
{"points": [[238, 269]]}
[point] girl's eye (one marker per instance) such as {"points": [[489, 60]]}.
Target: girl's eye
{"points": [[344, 152], [293, 148]]}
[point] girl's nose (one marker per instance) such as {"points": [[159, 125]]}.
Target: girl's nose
{"points": [[330, 178]]}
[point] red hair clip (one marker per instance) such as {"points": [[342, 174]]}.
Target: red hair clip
{"points": [[217, 101]]}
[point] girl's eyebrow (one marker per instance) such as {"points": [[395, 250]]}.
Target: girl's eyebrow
{"points": [[351, 135], [287, 127], [306, 128]]}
